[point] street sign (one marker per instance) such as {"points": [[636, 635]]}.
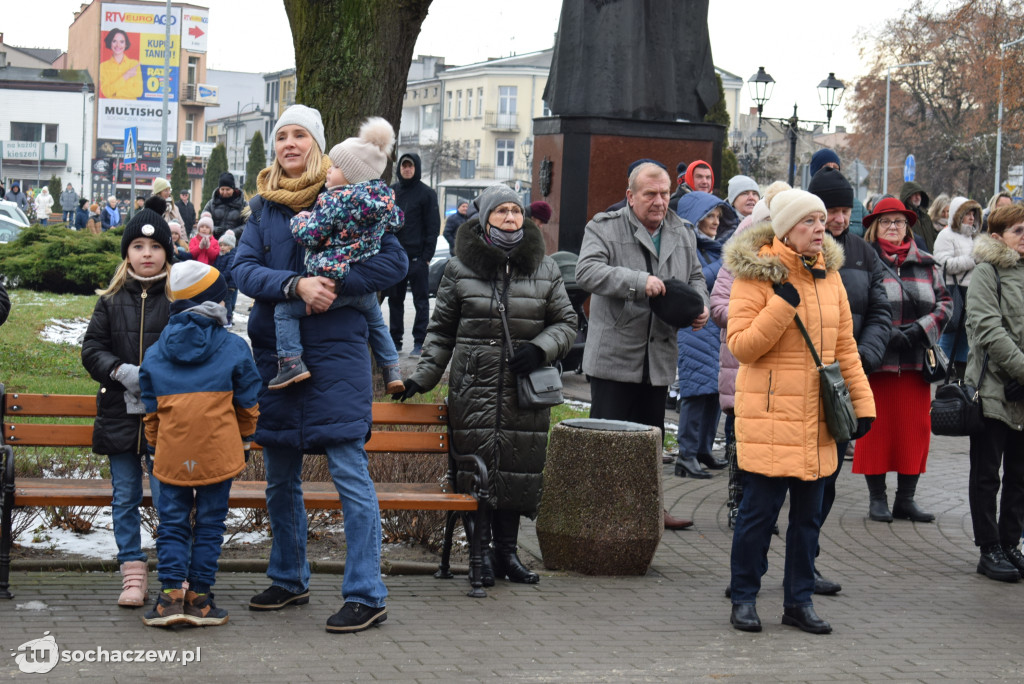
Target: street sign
{"points": [[131, 139], [909, 168], [1009, 188]]}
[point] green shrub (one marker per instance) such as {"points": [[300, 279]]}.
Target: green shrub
{"points": [[54, 259], [55, 191]]}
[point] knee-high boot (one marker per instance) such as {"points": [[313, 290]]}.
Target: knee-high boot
{"points": [[735, 489], [487, 552], [903, 505], [878, 508], [505, 525]]}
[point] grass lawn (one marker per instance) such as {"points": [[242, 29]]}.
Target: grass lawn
{"points": [[30, 363]]}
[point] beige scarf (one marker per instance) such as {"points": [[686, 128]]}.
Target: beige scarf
{"points": [[295, 193]]}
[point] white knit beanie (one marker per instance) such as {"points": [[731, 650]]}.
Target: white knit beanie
{"points": [[363, 158], [159, 185], [790, 206], [308, 118]]}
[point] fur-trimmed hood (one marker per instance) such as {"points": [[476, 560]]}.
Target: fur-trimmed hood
{"points": [[750, 255], [989, 250], [958, 210], [486, 259]]}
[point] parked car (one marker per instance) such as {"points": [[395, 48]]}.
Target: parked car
{"points": [[13, 213], [9, 229]]}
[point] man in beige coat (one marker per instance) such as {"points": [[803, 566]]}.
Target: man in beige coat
{"points": [[624, 260]]}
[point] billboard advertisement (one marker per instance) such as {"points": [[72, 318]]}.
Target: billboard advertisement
{"points": [[132, 48], [194, 22]]}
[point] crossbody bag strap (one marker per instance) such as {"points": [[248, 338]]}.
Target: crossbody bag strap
{"points": [[504, 320], [807, 339]]}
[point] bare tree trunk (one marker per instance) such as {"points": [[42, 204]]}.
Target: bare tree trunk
{"points": [[352, 58]]}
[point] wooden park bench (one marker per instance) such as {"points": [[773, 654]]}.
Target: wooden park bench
{"points": [[19, 434]]}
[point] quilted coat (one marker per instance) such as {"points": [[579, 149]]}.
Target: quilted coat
{"points": [[466, 330], [780, 424], [199, 385], [335, 404], [995, 326], [916, 294], [123, 326], [698, 349]]}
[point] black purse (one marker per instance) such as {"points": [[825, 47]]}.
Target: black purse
{"points": [[935, 364], [956, 408], [835, 394], [538, 389]]}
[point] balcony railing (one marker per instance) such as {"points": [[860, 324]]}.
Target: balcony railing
{"points": [[493, 121]]}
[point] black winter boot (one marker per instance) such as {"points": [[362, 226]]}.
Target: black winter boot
{"points": [[878, 507], [903, 506], [487, 554], [505, 525], [735, 486]]}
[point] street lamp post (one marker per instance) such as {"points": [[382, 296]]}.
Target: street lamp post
{"points": [[830, 94], [238, 122], [999, 124], [527, 149], [885, 152]]}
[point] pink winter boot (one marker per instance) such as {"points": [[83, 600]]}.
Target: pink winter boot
{"points": [[134, 578]]}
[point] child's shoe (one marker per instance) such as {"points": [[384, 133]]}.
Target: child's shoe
{"points": [[393, 379], [169, 610], [134, 577], [290, 369], [201, 611]]}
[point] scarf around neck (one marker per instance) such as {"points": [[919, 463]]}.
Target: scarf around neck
{"points": [[896, 253], [295, 193], [503, 238]]}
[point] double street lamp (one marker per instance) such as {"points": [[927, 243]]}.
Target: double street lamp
{"points": [[999, 125], [830, 94], [885, 152]]}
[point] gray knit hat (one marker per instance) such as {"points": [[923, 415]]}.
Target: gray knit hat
{"points": [[363, 158], [741, 184], [308, 118], [494, 196]]}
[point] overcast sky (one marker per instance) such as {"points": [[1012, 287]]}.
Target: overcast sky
{"points": [[798, 41]]}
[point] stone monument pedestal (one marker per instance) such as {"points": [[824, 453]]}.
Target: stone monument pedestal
{"points": [[579, 164], [601, 510]]}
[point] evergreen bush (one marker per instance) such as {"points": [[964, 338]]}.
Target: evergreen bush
{"points": [[217, 165], [256, 162], [179, 176], [55, 191], [54, 259]]}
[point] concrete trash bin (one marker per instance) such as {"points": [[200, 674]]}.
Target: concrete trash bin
{"points": [[601, 509]]}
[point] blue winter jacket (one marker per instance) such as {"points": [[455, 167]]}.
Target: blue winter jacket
{"points": [[224, 263], [698, 350], [334, 405]]}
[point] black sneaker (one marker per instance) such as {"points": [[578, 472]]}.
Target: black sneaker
{"points": [[994, 565], [290, 369], [276, 598], [355, 617], [201, 611], [1015, 557]]}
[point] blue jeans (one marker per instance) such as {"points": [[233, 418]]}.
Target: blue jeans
{"points": [[698, 424], [190, 552], [229, 302], [289, 339], [126, 478], [69, 218], [762, 500], [288, 567], [962, 345]]}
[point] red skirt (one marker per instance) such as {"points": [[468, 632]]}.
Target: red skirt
{"points": [[901, 434]]}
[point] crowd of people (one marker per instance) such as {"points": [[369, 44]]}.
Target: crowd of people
{"points": [[739, 300]]}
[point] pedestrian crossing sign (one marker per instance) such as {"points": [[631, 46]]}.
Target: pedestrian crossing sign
{"points": [[131, 139]]}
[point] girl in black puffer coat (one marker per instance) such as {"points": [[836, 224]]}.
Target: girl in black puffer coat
{"points": [[500, 258], [129, 317]]}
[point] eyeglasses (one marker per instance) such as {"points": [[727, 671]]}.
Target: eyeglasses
{"points": [[515, 211], [898, 223]]}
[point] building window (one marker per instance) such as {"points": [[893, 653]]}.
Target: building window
{"points": [[504, 158], [190, 126], [448, 105], [458, 105], [479, 102], [544, 109], [429, 116], [33, 132], [477, 153], [267, 101], [435, 91], [193, 71], [469, 102]]}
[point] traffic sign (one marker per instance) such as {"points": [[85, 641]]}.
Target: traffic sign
{"points": [[131, 139], [909, 168]]}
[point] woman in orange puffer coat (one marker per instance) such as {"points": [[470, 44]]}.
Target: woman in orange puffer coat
{"points": [[782, 439]]}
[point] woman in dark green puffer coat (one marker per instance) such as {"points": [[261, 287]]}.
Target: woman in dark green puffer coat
{"points": [[500, 258]]}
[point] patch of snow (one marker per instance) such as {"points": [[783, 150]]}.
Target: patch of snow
{"points": [[64, 331], [32, 605], [96, 543]]}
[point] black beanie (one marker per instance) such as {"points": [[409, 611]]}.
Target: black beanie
{"points": [[227, 181], [833, 189], [149, 222], [680, 304]]}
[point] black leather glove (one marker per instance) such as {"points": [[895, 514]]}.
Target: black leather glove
{"points": [[916, 336], [529, 357], [411, 389], [787, 292], [1014, 391], [863, 425], [898, 340]]}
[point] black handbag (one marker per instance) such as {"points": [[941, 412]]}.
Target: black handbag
{"points": [[538, 389], [835, 394], [936, 364], [956, 408]]}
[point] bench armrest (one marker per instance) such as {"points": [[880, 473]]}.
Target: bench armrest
{"points": [[476, 464]]}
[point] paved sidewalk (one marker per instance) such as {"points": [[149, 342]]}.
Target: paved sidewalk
{"points": [[912, 609]]}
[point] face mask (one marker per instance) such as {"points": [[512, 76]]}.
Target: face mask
{"points": [[504, 239]]}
